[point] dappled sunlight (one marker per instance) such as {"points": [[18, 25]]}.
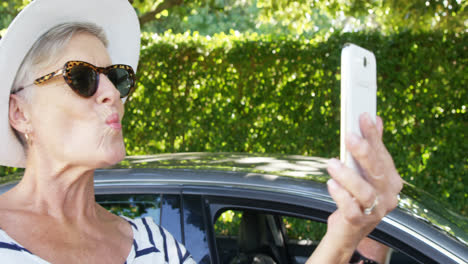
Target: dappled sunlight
{"points": [[254, 160], [282, 165], [268, 177], [161, 157], [289, 166], [424, 207], [319, 163], [303, 174], [270, 166]]}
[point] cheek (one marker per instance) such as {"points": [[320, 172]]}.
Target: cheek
{"points": [[79, 133], [87, 143], [57, 123], [92, 137]]}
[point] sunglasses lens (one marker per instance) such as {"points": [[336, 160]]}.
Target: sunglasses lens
{"points": [[83, 80], [122, 80]]}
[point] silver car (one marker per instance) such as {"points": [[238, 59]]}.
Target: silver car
{"points": [[227, 207]]}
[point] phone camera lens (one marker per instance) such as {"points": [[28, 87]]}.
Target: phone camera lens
{"points": [[365, 61]]}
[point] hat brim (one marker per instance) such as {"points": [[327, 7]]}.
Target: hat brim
{"points": [[118, 20]]}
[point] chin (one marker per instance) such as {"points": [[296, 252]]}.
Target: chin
{"points": [[115, 157], [111, 157]]}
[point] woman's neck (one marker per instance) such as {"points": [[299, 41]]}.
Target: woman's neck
{"points": [[62, 191]]}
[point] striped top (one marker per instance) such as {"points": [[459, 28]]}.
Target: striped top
{"points": [[151, 244]]}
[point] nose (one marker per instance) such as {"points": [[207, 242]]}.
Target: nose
{"points": [[107, 93]]}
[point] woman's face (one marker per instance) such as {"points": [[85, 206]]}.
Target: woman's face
{"points": [[73, 130]]}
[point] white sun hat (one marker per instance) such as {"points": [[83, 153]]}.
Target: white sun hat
{"points": [[117, 18]]}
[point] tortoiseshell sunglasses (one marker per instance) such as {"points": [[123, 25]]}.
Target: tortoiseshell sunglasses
{"points": [[83, 77]]}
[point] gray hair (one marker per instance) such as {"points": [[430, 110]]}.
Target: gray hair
{"points": [[46, 51]]}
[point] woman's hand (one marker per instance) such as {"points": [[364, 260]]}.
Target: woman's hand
{"points": [[378, 185], [375, 189]]}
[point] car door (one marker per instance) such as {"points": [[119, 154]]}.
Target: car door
{"points": [[181, 215], [191, 214], [294, 232]]}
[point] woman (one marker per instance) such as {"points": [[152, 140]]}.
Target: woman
{"points": [[66, 65]]}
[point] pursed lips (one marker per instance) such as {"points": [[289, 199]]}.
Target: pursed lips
{"points": [[114, 121]]}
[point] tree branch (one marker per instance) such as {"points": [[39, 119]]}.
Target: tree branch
{"points": [[150, 16]]}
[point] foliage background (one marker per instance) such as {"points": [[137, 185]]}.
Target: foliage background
{"points": [[257, 93], [263, 76]]}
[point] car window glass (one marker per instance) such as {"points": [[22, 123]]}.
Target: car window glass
{"points": [[195, 229], [227, 223], [226, 230], [171, 216], [302, 237], [294, 243], [242, 236], [303, 230], [132, 205]]}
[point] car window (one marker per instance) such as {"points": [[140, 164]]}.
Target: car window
{"points": [[302, 237], [164, 209], [242, 236], [226, 230], [227, 224], [171, 216], [303, 230], [132, 205], [195, 229]]}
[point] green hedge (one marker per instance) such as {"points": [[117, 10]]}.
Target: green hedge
{"points": [[281, 95], [251, 93]]}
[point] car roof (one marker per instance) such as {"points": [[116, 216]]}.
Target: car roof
{"points": [[293, 166], [291, 174]]}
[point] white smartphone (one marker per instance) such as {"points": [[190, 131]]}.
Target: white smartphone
{"points": [[358, 93]]}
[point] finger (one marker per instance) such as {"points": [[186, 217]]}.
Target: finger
{"points": [[391, 203], [353, 183], [345, 202], [379, 125], [366, 156], [370, 131], [377, 167], [395, 183], [380, 174]]}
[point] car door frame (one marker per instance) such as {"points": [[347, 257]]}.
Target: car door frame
{"points": [[385, 232]]}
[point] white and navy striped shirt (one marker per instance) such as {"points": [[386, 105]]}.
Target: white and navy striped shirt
{"points": [[151, 244]]}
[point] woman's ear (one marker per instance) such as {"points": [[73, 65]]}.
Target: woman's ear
{"points": [[18, 114]]}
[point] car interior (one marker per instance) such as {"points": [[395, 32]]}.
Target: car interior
{"points": [[262, 238], [259, 240]]}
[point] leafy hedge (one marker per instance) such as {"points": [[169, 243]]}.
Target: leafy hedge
{"points": [[281, 95], [253, 93]]}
